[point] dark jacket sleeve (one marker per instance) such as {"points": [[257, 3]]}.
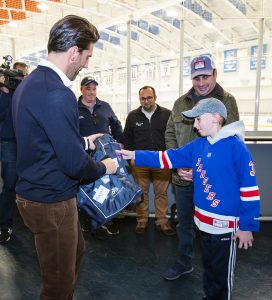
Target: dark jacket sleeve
{"points": [[4, 105], [128, 134], [116, 127]]}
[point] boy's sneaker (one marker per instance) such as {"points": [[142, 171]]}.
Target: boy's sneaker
{"points": [[5, 235], [176, 271]]}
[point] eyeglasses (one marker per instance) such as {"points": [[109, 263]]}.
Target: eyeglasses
{"points": [[93, 117], [146, 98]]}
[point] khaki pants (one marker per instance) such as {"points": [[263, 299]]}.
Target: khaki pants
{"points": [[59, 244], [160, 178]]}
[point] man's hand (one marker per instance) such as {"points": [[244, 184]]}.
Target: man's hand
{"points": [[185, 174], [3, 88], [110, 165], [245, 239], [92, 138]]}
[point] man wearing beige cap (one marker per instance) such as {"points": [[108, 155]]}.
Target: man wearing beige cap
{"points": [[180, 131]]}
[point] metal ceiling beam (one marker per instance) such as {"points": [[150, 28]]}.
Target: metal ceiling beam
{"points": [[241, 15]]}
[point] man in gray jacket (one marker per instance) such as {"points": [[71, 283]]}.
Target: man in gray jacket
{"points": [[180, 131]]}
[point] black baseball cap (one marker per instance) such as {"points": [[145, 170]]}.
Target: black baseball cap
{"points": [[87, 80]]}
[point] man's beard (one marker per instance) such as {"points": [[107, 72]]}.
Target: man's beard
{"points": [[73, 71]]}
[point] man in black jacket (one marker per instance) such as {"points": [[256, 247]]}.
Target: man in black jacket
{"points": [[144, 130], [95, 115], [8, 154]]}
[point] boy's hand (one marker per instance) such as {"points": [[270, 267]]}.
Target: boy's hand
{"points": [[245, 239], [126, 154]]}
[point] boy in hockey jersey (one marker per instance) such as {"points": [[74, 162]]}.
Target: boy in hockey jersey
{"points": [[226, 195]]}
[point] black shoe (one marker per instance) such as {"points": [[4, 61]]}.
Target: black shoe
{"points": [[5, 235], [85, 228], [141, 227], [105, 231], [166, 229], [111, 228], [176, 271]]}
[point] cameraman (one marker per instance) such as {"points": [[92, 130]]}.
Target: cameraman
{"points": [[8, 151]]}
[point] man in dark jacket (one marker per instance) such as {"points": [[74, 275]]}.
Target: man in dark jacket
{"points": [[96, 116], [8, 154], [180, 131], [51, 157], [144, 130]]}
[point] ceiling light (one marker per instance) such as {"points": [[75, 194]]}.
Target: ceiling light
{"points": [[42, 6], [172, 13], [172, 53], [207, 24], [122, 27]]}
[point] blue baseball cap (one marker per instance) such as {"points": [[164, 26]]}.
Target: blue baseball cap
{"points": [[202, 65]]}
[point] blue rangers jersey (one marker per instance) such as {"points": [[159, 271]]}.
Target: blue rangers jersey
{"points": [[226, 195]]}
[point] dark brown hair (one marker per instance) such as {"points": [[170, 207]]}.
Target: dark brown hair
{"points": [[147, 87], [72, 31]]}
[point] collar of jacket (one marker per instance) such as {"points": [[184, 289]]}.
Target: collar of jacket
{"points": [[80, 103], [139, 109], [217, 92]]}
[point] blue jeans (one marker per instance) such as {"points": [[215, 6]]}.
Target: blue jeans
{"points": [[8, 154], [185, 228]]}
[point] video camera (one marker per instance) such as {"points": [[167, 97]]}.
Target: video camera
{"points": [[12, 77]]}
